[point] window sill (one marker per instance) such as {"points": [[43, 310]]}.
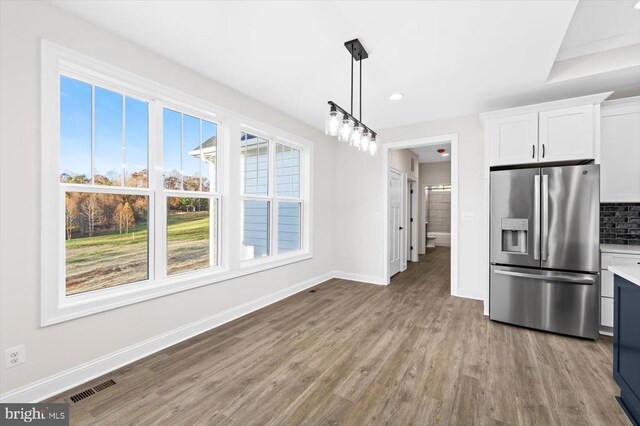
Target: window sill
{"points": [[82, 305]]}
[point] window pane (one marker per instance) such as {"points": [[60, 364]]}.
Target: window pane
{"points": [[75, 131], [172, 148], [287, 171], [191, 153], [209, 155], [108, 137], [255, 229], [106, 240], [254, 152], [288, 227], [136, 142], [191, 234]]}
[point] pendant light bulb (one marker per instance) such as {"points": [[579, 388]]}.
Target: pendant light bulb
{"points": [[365, 141], [332, 124], [345, 129], [356, 136], [373, 145]]}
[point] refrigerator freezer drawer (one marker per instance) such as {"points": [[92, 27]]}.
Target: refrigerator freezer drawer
{"points": [[560, 302]]}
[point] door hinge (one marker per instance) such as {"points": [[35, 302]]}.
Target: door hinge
{"points": [[411, 219], [412, 191], [411, 248]]}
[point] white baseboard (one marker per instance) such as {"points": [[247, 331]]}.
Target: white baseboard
{"points": [[369, 279], [442, 244], [57, 383]]}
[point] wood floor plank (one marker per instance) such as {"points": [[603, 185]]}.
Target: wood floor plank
{"points": [[352, 353]]}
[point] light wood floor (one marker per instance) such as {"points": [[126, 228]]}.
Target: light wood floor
{"points": [[358, 354]]}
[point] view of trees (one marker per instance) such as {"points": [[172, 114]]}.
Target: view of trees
{"points": [[87, 213]]}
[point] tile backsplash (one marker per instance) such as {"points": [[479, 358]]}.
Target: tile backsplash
{"points": [[620, 223]]}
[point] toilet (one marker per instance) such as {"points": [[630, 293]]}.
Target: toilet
{"points": [[431, 240]]}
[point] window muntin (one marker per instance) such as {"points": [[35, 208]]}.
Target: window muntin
{"points": [[287, 171], [108, 144], [190, 152], [104, 136]]}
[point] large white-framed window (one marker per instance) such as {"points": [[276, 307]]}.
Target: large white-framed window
{"points": [[139, 190], [273, 201], [190, 200]]}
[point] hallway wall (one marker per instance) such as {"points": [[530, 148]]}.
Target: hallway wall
{"points": [[430, 174]]}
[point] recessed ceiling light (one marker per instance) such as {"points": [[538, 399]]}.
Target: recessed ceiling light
{"points": [[446, 154], [637, 6], [396, 96]]}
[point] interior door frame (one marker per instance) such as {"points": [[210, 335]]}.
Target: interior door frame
{"points": [[412, 227], [412, 143], [402, 252]]}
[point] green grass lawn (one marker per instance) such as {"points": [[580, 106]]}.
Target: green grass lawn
{"points": [[109, 258]]}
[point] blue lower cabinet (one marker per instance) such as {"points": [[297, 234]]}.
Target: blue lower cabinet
{"points": [[626, 346]]}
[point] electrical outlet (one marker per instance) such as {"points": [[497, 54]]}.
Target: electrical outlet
{"points": [[14, 356]]}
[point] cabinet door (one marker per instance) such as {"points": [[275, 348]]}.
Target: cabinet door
{"points": [[567, 134], [606, 311], [606, 284], [620, 154], [514, 140]]}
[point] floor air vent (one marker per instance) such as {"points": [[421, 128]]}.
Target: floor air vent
{"points": [[74, 399], [104, 385]]}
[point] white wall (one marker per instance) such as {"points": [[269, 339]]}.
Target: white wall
{"points": [[400, 159], [53, 349], [360, 248], [435, 173], [438, 173]]}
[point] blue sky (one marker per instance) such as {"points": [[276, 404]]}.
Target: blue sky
{"points": [[75, 133]]}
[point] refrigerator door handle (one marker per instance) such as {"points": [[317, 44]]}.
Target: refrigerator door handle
{"points": [[580, 279], [536, 217], [545, 217]]}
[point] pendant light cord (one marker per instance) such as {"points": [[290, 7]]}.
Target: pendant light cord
{"points": [[352, 83], [361, 90]]}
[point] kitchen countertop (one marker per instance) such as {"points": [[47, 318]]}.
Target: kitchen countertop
{"points": [[629, 273], [619, 248]]}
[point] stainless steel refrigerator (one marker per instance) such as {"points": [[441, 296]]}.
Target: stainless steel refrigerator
{"points": [[545, 258]]}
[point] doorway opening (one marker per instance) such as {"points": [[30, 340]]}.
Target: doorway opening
{"points": [[421, 212]]}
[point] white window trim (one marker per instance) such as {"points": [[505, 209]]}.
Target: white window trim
{"points": [[274, 199], [56, 307]]}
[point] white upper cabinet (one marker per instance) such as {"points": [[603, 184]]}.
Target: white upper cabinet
{"points": [[620, 151], [567, 134], [564, 130], [514, 140]]}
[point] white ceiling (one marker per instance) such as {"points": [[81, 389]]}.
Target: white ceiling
{"points": [[600, 25], [447, 58], [429, 154]]}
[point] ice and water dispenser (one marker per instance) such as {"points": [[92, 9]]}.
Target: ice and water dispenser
{"points": [[514, 235]]}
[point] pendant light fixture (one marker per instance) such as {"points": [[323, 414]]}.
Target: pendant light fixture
{"points": [[342, 123]]}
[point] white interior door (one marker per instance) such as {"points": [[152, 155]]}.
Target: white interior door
{"points": [[395, 222]]}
